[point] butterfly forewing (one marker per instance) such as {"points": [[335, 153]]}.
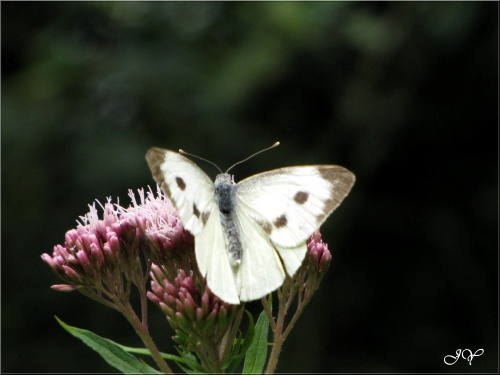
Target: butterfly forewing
{"points": [[289, 204], [190, 189]]}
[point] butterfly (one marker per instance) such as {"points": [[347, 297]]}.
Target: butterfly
{"points": [[249, 235]]}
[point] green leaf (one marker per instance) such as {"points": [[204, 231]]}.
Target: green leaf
{"points": [[187, 359], [110, 351], [240, 347], [257, 352]]}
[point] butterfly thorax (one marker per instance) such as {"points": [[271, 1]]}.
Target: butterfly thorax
{"points": [[225, 190], [224, 193]]}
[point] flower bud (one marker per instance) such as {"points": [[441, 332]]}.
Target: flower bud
{"points": [[318, 252], [70, 272], [63, 287], [190, 311], [48, 259]]}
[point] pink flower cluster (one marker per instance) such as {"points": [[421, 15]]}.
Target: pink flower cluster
{"points": [[318, 252], [98, 250], [188, 303], [103, 257]]}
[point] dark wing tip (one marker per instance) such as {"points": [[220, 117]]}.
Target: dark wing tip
{"points": [[155, 158]]}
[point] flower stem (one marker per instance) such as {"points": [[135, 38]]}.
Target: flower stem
{"points": [[278, 326], [142, 332], [269, 313], [230, 335]]}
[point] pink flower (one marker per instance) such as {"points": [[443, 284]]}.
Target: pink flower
{"points": [[192, 310], [99, 251], [318, 252], [166, 241], [187, 294]]}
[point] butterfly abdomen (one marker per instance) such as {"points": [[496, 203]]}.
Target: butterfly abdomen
{"points": [[224, 197]]}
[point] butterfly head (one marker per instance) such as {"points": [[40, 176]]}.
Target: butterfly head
{"points": [[224, 178]]}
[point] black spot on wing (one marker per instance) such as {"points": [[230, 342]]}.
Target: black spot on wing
{"points": [[196, 212], [301, 197], [180, 183], [204, 217], [266, 226], [280, 222]]}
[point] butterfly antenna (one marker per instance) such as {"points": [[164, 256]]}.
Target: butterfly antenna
{"points": [[276, 144], [181, 151]]}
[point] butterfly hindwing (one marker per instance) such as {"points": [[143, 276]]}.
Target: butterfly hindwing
{"points": [[190, 189], [292, 257], [260, 271], [213, 262]]}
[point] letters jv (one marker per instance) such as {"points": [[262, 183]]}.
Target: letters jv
{"points": [[465, 354]]}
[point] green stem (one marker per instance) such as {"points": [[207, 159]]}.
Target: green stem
{"points": [[142, 332], [277, 328], [275, 352], [290, 290], [269, 313], [295, 317], [303, 300], [215, 360], [229, 337], [207, 354]]}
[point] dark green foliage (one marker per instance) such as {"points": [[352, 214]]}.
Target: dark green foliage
{"points": [[404, 94]]}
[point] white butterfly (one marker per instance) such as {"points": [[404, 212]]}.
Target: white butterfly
{"points": [[248, 234]]}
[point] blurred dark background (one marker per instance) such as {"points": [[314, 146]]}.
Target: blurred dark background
{"points": [[404, 94]]}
